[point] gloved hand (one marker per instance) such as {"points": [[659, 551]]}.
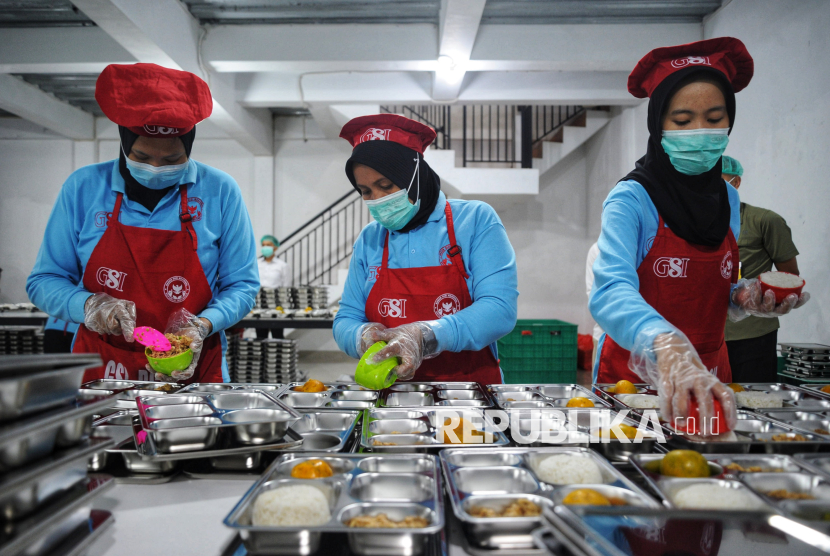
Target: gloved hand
{"points": [[412, 342], [184, 323], [673, 365], [105, 314], [747, 299], [368, 335]]}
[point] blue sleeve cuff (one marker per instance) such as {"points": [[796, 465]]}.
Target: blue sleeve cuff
{"points": [[76, 305], [216, 319]]}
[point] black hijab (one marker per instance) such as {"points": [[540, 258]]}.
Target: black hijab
{"points": [[398, 164], [145, 196], [695, 208]]}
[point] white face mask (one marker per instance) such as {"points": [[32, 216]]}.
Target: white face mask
{"points": [[156, 177]]}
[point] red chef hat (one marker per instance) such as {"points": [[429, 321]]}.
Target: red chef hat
{"points": [[388, 127], [151, 100], [725, 54]]}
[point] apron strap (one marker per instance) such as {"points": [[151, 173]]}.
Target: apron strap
{"points": [[116, 210], [455, 250], [187, 219]]}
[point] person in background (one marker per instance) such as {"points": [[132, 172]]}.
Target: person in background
{"points": [[58, 335], [597, 331], [273, 273], [765, 240]]}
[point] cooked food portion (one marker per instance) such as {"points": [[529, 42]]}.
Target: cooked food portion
{"points": [[783, 494], [590, 497], [579, 402], [377, 442], [623, 387], [627, 431], [178, 345], [311, 385], [291, 506], [785, 437], [704, 496], [821, 431], [446, 437], [826, 389], [640, 401], [569, 470], [758, 399], [735, 468], [520, 508], [684, 463], [736, 387], [312, 469], [166, 387], [381, 521]]}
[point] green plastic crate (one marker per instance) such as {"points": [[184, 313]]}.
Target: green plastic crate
{"points": [[539, 351]]}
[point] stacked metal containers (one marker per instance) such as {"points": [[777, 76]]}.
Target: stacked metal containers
{"points": [[46, 494], [269, 360], [316, 297], [270, 298], [21, 340]]}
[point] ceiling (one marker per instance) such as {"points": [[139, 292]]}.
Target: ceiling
{"points": [[77, 89], [41, 13]]}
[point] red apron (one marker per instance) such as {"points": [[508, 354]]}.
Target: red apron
{"points": [[689, 286], [404, 295], [160, 272]]}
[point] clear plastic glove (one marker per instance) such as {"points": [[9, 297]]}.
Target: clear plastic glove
{"points": [[412, 342], [747, 300], [184, 323], [105, 314], [369, 334], [673, 365]]}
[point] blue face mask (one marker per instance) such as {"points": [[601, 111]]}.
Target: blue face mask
{"points": [[394, 211], [695, 151], [267, 251], [153, 177]]}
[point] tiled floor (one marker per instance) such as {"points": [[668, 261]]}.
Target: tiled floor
{"points": [[328, 366]]}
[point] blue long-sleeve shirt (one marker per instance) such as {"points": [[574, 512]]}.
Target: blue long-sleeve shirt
{"points": [[489, 260], [56, 324], [629, 225], [226, 250]]}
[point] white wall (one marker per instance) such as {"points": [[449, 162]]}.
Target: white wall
{"points": [[781, 134]]}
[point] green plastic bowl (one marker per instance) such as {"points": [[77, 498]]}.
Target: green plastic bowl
{"points": [[376, 376], [166, 365]]}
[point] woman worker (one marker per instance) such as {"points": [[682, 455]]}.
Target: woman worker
{"points": [[667, 272], [153, 238], [435, 279]]}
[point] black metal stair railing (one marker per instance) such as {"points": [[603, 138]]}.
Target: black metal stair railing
{"points": [[435, 116], [321, 246]]}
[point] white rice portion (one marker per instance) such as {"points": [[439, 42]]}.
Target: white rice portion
{"points": [[758, 399], [781, 280], [640, 401], [569, 470], [713, 497], [291, 506]]}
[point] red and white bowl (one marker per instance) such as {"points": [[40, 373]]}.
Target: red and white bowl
{"points": [[781, 284]]}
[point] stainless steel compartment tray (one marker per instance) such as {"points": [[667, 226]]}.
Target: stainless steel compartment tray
{"points": [[325, 431], [440, 394], [32, 383], [409, 441], [125, 392], [25, 490], [337, 396], [363, 484], [209, 387], [38, 436], [792, 397], [192, 422], [514, 396], [483, 476], [44, 523]]}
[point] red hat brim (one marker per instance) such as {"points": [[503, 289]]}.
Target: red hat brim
{"points": [[152, 100], [388, 127], [725, 54]]}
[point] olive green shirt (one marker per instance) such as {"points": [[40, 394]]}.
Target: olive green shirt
{"points": [[765, 239]]}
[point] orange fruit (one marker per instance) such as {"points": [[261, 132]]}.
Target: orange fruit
{"points": [[687, 464], [311, 385], [826, 389], [580, 402], [459, 432], [312, 469], [736, 387], [585, 497], [625, 387], [627, 430]]}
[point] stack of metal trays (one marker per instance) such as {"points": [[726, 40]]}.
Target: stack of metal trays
{"points": [[336, 396], [407, 430], [45, 493], [806, 360], [364, 495], [124, 392], [514, 396], [441, 394], [196, 425], [21, 340], [316, 297], [270, 298], [484, 484], [269, 360]]}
